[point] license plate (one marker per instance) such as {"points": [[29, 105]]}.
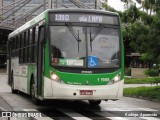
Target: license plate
{"points": [[86, 92]]}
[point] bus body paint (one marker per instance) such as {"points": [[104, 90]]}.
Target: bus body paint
{"points": [[70, 79]]}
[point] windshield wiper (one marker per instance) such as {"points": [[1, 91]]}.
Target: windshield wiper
{"points": [[95, 35], [76, 36]]}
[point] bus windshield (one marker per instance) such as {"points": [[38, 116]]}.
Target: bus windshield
{"points": [[85, 46]]}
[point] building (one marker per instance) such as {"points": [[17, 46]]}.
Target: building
{"points": [[32, 4], [21, 13], [1, 4], [91, 3], [21, 9]]}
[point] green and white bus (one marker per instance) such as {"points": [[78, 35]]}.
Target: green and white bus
{"points": [[69, 54]]}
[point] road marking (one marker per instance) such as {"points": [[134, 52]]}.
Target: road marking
{"points": [[78, 116], [117, 118], [147, 109], [73, 113], [150, 118], [108, 113], [38, 118]]}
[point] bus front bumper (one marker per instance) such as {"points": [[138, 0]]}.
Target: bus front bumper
{"points": [[55, 90]]}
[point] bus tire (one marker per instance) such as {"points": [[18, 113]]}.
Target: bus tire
{"points": [[94, 102], [33, 98], [14, 91]]}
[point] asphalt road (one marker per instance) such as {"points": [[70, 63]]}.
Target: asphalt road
{"points": [[126, 108]]}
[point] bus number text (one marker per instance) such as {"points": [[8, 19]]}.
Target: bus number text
{"points": [[61, 17]]}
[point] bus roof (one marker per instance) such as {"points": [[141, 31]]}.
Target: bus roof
{"points": [[27, 25], [83, 10], [41, 17]]}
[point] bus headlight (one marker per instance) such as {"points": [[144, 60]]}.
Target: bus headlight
{"points": [[117, 78], [55, 78]]}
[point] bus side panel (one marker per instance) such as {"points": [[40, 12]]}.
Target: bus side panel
{"points": [[32, 72], [23, 78], [15, 72]]}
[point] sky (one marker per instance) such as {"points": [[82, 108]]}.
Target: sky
{"points": [[116, 4]]}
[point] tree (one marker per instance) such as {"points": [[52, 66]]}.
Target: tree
{"points": [[141, 30]]}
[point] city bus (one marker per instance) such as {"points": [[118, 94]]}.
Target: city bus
{"points": [[68, 54]]}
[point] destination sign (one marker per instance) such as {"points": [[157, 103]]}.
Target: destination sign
{"points": [[83, 18]]}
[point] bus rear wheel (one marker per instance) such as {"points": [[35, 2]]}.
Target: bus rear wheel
{"points": [[94, 102], [33, 97], [12, 85]]}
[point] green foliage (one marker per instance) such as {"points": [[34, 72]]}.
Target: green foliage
{"points": [[108, 8], [152, 72], [142, 80], [144, 92], [141, 30], [127, 71], [130, 15]]}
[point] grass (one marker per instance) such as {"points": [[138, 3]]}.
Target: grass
{"points": [[151, 93], [153, 80]]}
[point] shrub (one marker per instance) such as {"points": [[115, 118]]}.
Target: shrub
{"points": [[127, 72], [153, 80], [144, 92], [152, 72]]}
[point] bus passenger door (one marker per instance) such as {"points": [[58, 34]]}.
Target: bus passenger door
{"points": [[40, 59]]}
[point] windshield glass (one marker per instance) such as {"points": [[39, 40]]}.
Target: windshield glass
{"points": [[104, 47], [68, 48], [82, 46]]}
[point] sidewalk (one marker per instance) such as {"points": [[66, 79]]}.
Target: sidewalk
{"points": [[139, 85], [2, 71], [4, 87]]}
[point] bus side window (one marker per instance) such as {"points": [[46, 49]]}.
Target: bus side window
{"points": [[28, 37], [21, 49], [17, 51], [36, 42], [30, 44], [22, 39], [13, 47], [33, 47], [26, 48]]}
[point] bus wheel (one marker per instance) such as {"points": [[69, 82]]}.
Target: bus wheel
{"points": [[94, 102], [12, 85], [34, 99]]}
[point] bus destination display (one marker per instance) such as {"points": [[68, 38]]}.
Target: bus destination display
{"points": [[86, 18]]}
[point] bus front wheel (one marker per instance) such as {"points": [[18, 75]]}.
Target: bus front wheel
{"points": [[33, 97], [94, 102]]}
